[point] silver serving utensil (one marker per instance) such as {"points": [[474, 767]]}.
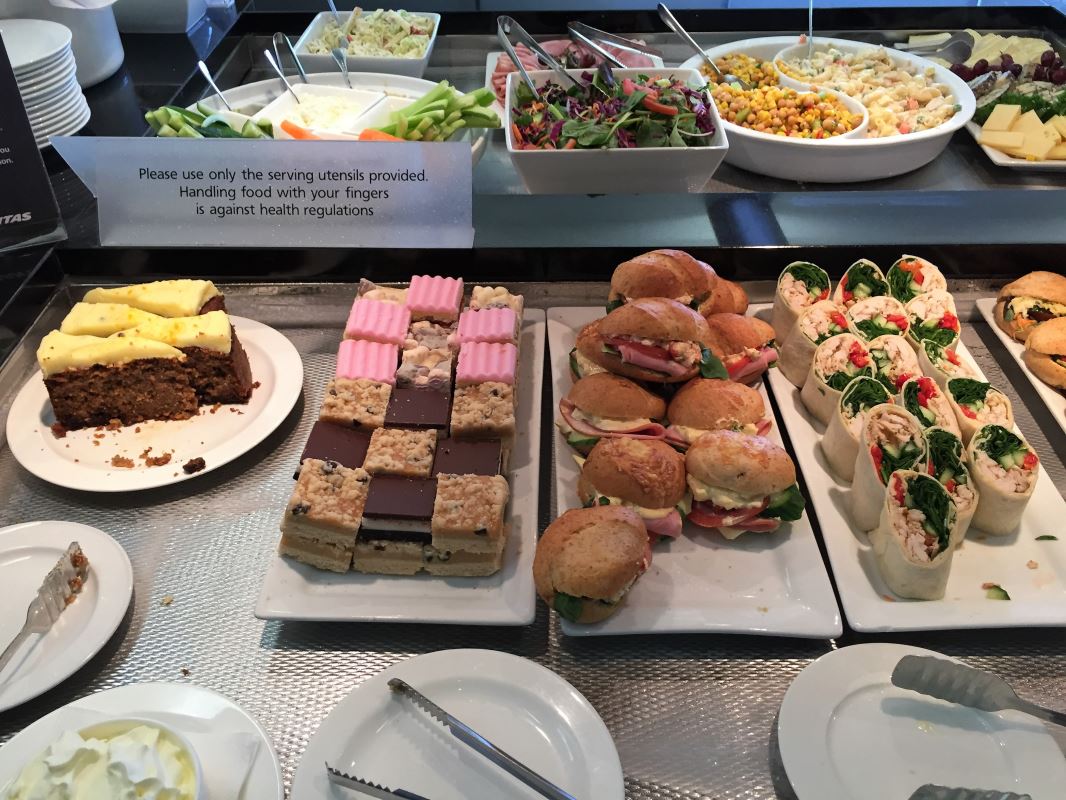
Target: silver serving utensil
{"points": [[336, 13], [810, 29], [605, 71], [933, 792], [612, 38], [211, 82], [505, 26], [292, 52], [61, 583], [957, 683], [341, 58], [671, 22], [281, 74], [955, 49], [577, 35], [476, 741], [338, 778]]}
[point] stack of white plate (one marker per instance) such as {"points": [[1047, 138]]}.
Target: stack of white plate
{"points": [[45, 71]]}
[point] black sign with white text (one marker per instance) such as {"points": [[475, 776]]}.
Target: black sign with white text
{"points": [[28, 208]]}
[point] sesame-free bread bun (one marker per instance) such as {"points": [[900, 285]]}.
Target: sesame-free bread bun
{"points": [[661, 273], [607, 395], [733, 333], [708, 404], [656, 318], [645, 472], [1042, 285], [594, 553], [727, 297], [749, 465], [1047, 340]]}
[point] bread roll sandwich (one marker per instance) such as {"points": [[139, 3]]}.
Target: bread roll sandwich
{"points": [[891, 439], [817, 323], [912, 543], [1024, 304], [928, 403], [588, 560], [673, 274], [652, 339], [948, 464], [894, 361], [932, 315], [580, 364], [745, 345], [1005, 470], [976, 404], [911, 276], [741, 483], [1045, 352], [727, 297], [840, 445], [877, 316], [708, 404], [605, 406], [645, 475], [837, 362], [942, 363], [861, 280], [800, 284]]}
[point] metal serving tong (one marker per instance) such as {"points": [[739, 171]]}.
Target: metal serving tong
{"points": [[505, 26], [957, 683], [278, 41], [589, 36], [933, 792], [338, 778]]}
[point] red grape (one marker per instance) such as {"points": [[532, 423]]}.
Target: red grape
{"points": [[981, 67], [1015, 70], [1059, 76], [1040, 73], [962, 71], [1047, 58], [1005, 61]]}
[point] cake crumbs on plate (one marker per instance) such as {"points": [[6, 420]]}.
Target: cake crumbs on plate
{"points": [[256, 385], [114, 424], [167, 600], [193, 465], [186, 672], [98, 435], [215, 407], [1031, 564], [155, 461], [122, 461], [96, 442], [59, 430], [137, 429]]}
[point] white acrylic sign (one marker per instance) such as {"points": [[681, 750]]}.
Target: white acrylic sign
{"points": [[256, 193]]}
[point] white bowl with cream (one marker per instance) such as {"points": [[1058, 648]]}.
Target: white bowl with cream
{"points": [[841, 159]]}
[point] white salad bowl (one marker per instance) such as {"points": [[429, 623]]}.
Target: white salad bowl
{"points": [[415, 67], [840, 159], [643, 170]]}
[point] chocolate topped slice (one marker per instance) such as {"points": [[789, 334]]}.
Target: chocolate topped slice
{"points": [[457, 457], [418, 408], [331, 442], [399, 504]]}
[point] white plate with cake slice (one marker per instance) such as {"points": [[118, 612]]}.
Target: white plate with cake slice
{"points": [[159, 452], [295, 591], [764, 584], [521, 707]]}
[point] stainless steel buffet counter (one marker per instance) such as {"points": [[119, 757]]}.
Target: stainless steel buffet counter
{"points": [[693, 717]]}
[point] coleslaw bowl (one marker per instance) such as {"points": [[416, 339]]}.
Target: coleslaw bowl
{"points": [[395, 65]]}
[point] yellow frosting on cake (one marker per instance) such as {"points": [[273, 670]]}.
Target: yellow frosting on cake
{"points": [[210, 331], [61, 351], [177, 298], [103, 319]]}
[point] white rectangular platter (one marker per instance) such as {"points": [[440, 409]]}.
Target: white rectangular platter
{"points": [[766, 584], [1038, 594], [1053, 398], [1001, 159], [295, 591]]}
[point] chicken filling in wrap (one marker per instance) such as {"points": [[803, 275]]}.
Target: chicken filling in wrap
{"points": [[863, 279], [803, 284], [910, 277], [946, 360], [946, 465], [892, 364], [920, 514], [878, 316], [896, 444], [933, 317], [1006, 460], [923, 399], [820, 324], [860, 396], [842, 362], [979, 401]]}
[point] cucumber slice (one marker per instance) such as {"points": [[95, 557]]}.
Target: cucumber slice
{"points": [[861, 292], [581, 442], [928, 415], [916, 288], [205, 109], [189, 132], [891, 449], [166, 131], [1019, 457], [996, 592], [949, 474], [1006, 460], [195, 117]]}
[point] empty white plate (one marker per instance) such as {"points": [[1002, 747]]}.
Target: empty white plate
{"points": [[521, 707], [32, 42], [846, 731], [27, 553]]}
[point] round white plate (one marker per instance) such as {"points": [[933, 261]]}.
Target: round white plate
{"points": [[69, 108], [52, 96], [521, 707], [63, 63], [35, 85], [27, 553], [32, 42], [846, 731], [80, 460], [195, 712], [45, 140]]}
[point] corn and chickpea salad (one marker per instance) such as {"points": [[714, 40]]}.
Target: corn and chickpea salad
{"points": [[899, 97], [769, 108]]}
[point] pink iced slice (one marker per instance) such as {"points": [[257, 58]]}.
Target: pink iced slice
{"points": [[481, 362], [487, 325], [377, 321], [373, 361], [435, 295]]}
